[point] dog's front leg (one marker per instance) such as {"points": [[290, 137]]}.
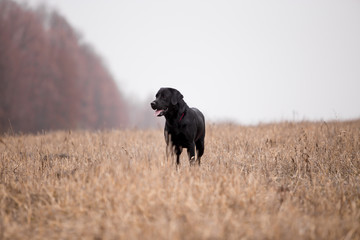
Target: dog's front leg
{"points": [[178, 151], [191, 153]]}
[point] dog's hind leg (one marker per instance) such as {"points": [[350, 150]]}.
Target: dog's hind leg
{"points": [[199, 149]]}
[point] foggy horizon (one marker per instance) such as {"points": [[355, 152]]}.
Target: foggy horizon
{"points": [[246, 62]]}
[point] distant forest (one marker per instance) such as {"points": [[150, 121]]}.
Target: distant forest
{"points": [[49, 78]]}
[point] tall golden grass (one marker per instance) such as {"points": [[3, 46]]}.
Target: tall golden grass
{"points": [[274, 181]]}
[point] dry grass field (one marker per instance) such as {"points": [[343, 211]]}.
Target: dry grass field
{"points": [[273, 181]]}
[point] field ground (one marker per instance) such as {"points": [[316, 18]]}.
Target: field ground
{"points": [[273, 181]]}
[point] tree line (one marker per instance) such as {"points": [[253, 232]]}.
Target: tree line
{"points": [[49, 78]]}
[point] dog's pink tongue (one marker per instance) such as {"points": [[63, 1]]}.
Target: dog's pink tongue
{"points": [[157, 112]]}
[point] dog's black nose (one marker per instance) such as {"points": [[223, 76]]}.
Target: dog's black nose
{"points": [[153, 105]]}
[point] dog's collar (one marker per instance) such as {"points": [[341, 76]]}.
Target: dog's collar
{"points": [[182, 115]]}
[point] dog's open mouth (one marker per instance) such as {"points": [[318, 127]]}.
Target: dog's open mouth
{"points": [[160, 112]]}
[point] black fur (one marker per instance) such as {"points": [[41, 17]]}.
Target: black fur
{"points": [[184, 126]]}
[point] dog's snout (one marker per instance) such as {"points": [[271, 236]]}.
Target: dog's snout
{"points": [[153, 104]]}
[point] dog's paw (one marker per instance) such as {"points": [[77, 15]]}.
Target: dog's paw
{"points": [[192, 160]]}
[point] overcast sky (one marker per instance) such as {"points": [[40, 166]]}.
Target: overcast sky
{"points": [[247, 61]]}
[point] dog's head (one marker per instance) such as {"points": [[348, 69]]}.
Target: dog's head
{"points": [[166, 101]]}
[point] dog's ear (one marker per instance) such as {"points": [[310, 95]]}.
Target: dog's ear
{"points": [[176, 97]]}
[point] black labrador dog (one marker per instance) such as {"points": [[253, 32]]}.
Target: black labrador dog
{"points": [[184, 126]]}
